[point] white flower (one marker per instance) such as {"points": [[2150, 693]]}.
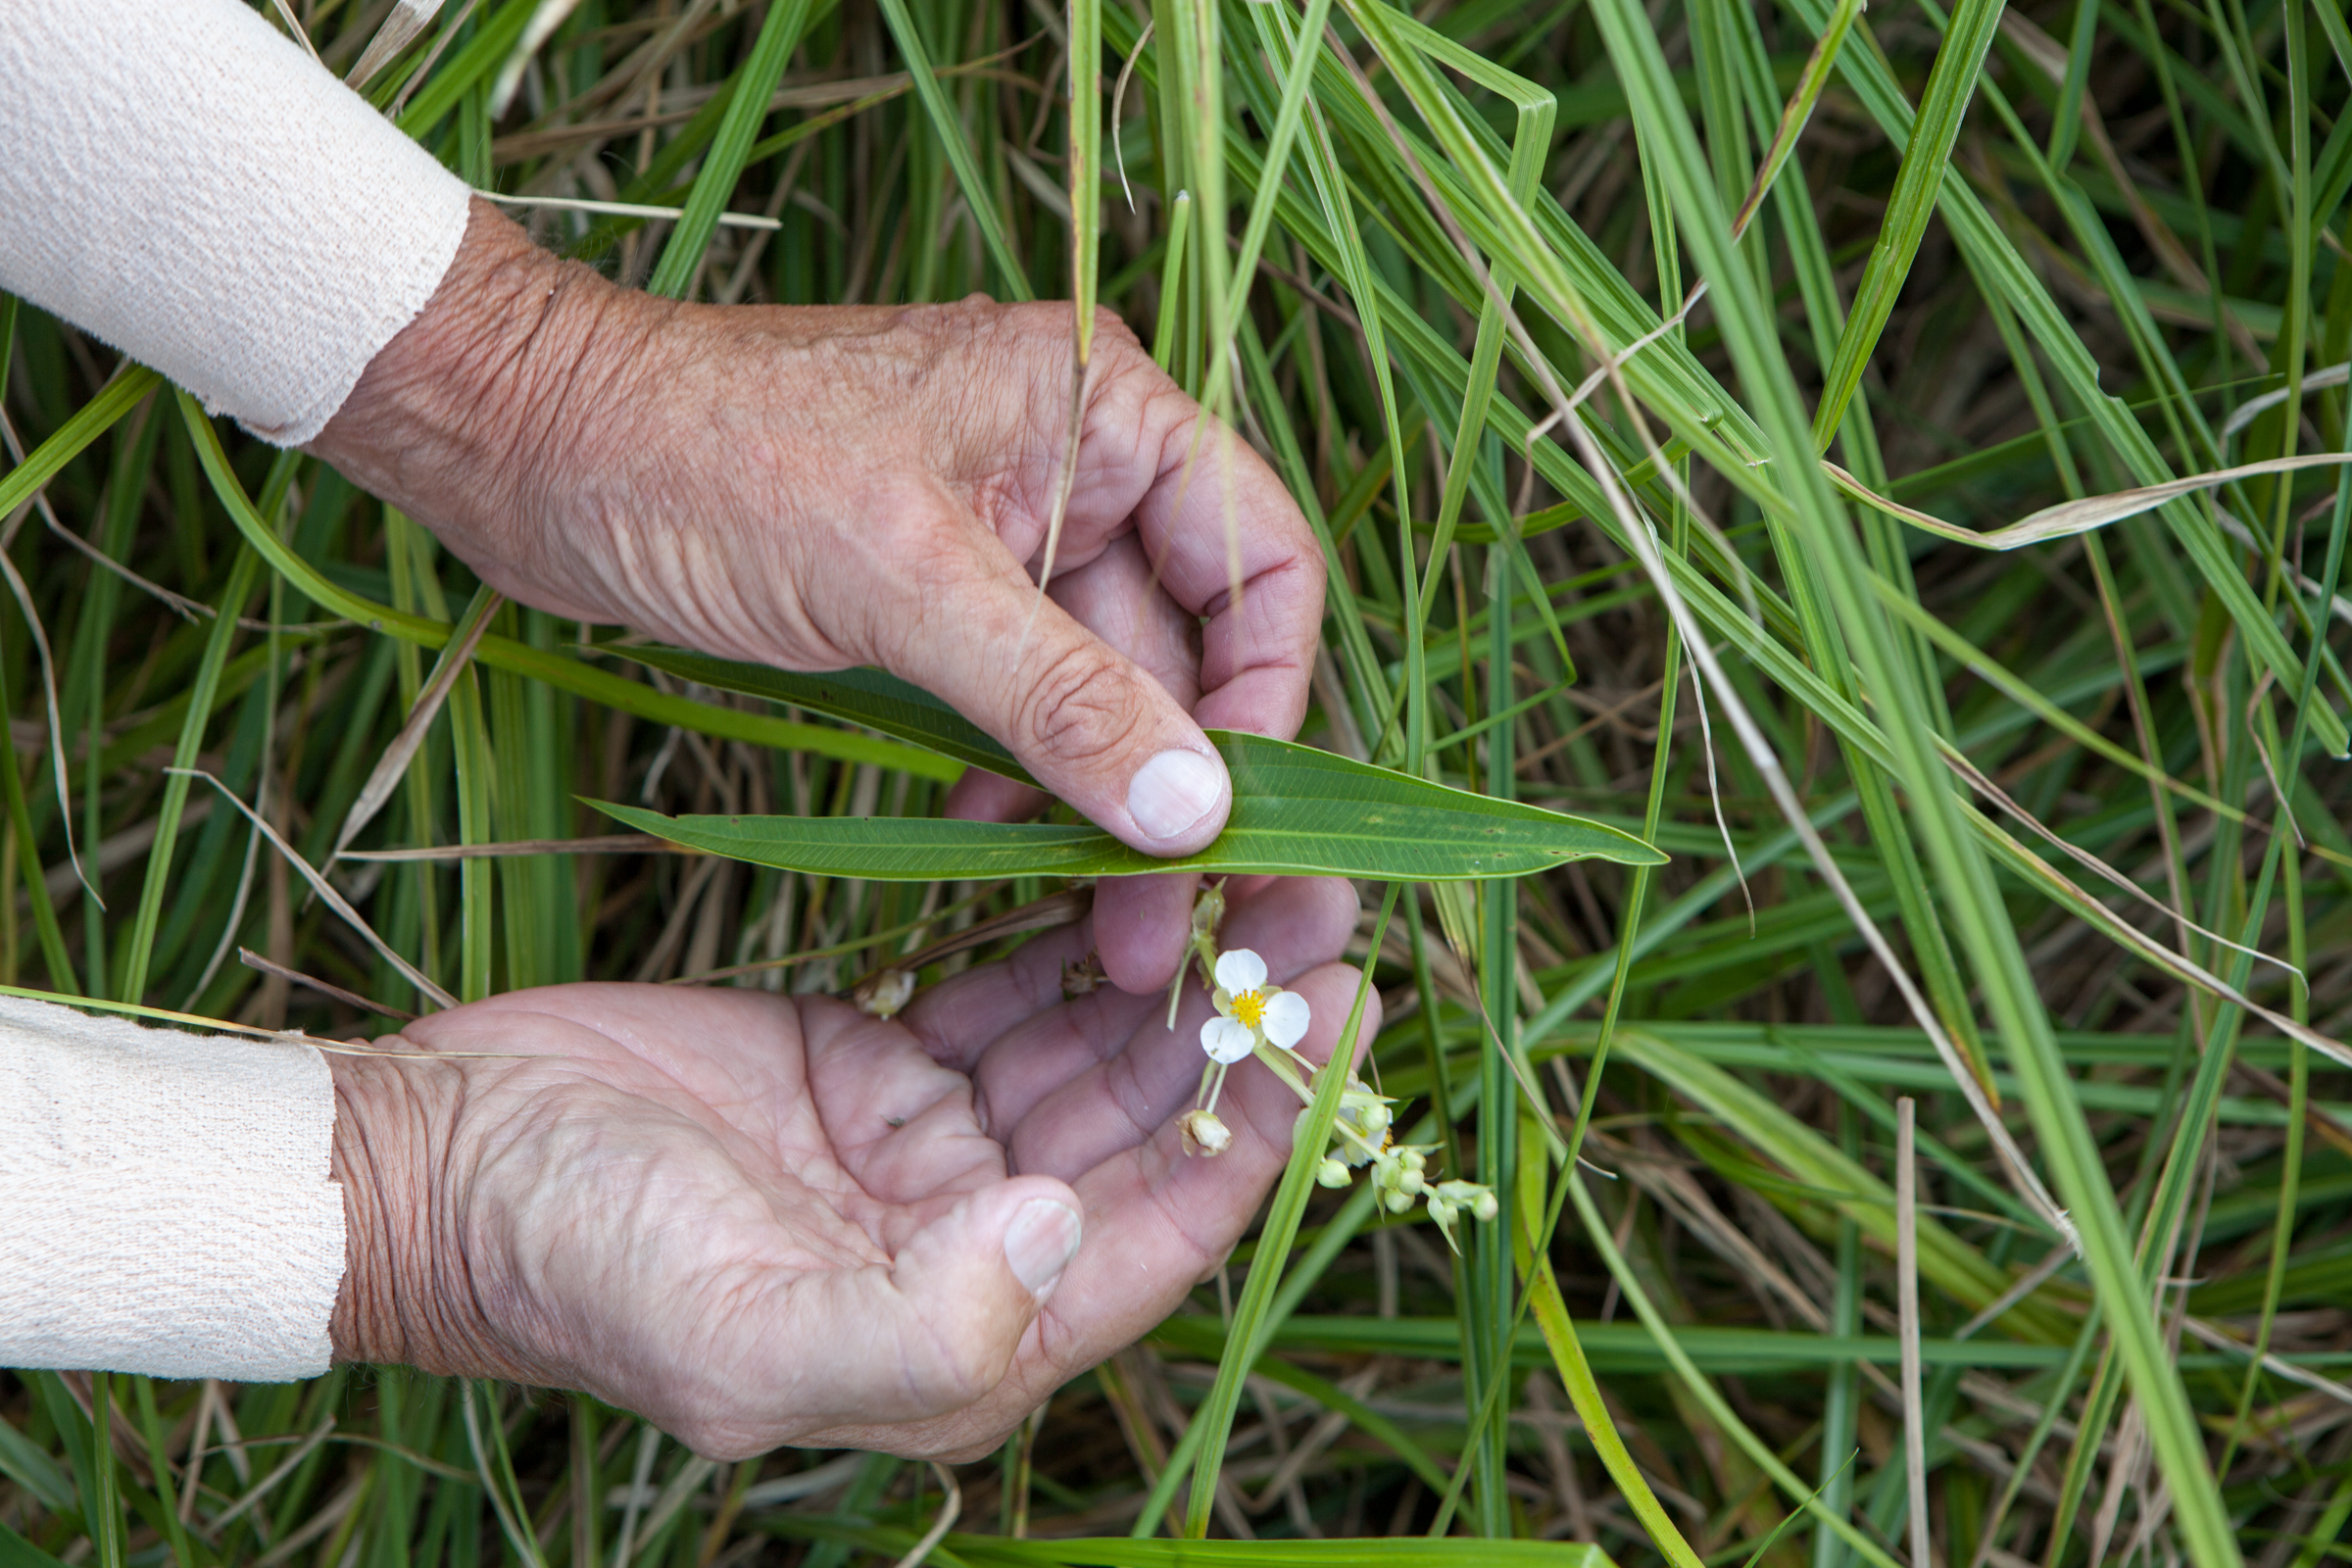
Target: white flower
{"points": [[1226, 1040], [1250, 1010]]}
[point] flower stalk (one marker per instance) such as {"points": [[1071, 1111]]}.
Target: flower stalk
{"points": [[1257, 1018]]}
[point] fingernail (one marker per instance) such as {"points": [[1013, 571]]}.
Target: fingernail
{"points": [[1041, 1242], [1172, 793]]}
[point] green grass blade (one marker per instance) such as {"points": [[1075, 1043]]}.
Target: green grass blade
{"points": [[93, 419], [1600, 1429], [1705, 1392], [1977, 912], [1287, 120], [473, 64], [1926, 153], [682, 257], [1242, 1345], [18, 1553], [1086, 172], [949, 126], [475, 764], [243, 578], [28, 861]]}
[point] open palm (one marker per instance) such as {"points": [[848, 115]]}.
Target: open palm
{"points": [[759, 1219]]}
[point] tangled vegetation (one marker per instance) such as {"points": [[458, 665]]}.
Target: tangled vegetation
{"points": [[1962, 1161]]}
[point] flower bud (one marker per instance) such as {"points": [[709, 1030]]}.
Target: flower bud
{"points": [[1204, 1133], [1331, 1173], [883, 993], [1455, 1196], [1398, 1202], [1082, 978]]}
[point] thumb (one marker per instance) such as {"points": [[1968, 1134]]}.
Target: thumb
{"points": [[939, 1325], [1085, 720]]}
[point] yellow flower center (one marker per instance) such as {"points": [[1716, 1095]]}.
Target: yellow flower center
{"points": [[1249, 1007]]}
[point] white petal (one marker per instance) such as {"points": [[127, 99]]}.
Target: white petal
{"points": [[1239, 969], [1225, 1040], [1286, 1018]]}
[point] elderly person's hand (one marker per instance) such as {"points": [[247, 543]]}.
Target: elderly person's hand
{"points": [[759, 1219], [817, 488]]}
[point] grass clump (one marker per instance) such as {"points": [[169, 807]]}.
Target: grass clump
{"points": [[1548, 314]]}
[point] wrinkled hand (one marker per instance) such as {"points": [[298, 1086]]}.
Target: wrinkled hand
{"points": [[818, 487], [758, 1219]]}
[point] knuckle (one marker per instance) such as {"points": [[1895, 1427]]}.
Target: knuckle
{"points": [[1078, 706], [915, 541], [1113, 336], [956, 1366], [1130, 398]]}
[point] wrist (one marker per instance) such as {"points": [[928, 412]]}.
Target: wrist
{"points": [[407, 1296], [463, 417]]}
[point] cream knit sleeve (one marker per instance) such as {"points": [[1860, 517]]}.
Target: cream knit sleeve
{"points": [[183, 182], [165, 1201]]}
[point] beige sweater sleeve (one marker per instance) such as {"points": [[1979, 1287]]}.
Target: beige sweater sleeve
{"points": [[164, 1200], [181, 180]]}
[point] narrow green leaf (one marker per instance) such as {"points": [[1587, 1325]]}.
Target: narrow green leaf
{"points": [[755, 84], [1085, 172], [1171, 278], [995, 1551], [202, 696], [873, 698], [1308, 1139], [1120, 1553], [18, 1553], [1568, 1360], [953, 137], [470, 735], [1297, 812], [474, 62], [1963, 872], [1917, 184], [34, 1469], [28, 859], [90, 421]]}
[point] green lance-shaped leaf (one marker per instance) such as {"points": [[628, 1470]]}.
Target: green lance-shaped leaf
{"points": [[869, 697], [1297, 812]]}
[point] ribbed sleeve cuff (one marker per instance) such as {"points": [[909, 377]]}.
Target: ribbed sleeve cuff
{"points": [[165, 1199]]}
